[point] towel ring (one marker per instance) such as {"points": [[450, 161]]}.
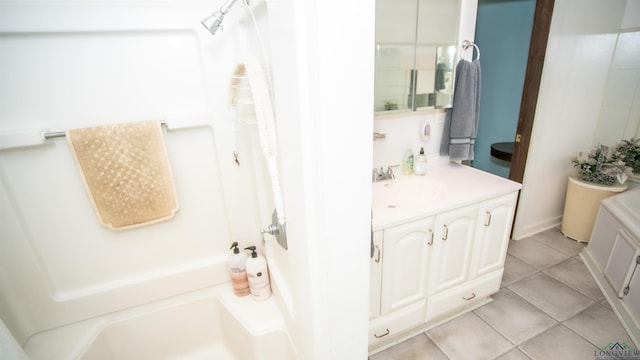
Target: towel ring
{"points": [[466, 44]]}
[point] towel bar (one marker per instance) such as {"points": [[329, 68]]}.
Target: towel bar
{"points": [[60, 134], [18, 138]]}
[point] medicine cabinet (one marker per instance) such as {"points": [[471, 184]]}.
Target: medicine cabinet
{"points": [[414, 54]]}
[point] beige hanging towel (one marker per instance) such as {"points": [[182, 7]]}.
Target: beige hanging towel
{"points": [[126, 171]]}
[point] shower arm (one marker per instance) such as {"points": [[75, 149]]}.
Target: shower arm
{"points": [[225, 8], [214, 21]]}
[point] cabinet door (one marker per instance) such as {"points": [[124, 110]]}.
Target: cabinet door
{"points": [[455, 231], [603, 236], [632, 298], [375, 276], [622, 262], [405, 255], [494, 229]]}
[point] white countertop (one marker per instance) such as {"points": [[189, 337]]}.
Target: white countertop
{"points": [[447, 186], [626, 208]]}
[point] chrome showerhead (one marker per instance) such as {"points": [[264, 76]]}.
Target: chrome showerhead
{"points": [[214, 21]]}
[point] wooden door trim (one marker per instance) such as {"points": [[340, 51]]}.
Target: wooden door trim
{"points": [[533, 75]]}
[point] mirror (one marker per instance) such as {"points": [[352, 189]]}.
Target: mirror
{"points": [[415, 53], [619, 116]]}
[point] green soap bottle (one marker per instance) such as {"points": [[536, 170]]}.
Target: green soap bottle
{"points": [[408, 163]]}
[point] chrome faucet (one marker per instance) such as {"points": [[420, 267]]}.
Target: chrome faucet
{"points": [[381, 174]]}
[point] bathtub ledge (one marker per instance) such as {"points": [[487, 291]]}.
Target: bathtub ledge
{"points": [[71, 341]]}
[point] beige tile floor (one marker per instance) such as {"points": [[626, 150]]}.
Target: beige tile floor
{"points": [[548, 307]]}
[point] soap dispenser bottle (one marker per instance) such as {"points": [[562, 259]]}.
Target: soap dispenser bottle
{"points": [[237, 268], [258, 274], [420, 164]]}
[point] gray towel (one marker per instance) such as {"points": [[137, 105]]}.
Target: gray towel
{"points": [[461, 121]]}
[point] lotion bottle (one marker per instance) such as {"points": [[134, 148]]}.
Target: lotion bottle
{"points": [[258, 274], [420, 165], [238, 271]]}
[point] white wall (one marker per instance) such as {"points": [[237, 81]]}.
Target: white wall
{"points": [[326, 98], [581, 43]]}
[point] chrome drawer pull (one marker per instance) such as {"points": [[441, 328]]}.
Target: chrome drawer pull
{"points": [[473, 295], [488, 221], [431, 240], [383, 335], [378, 255], [446, 232]]}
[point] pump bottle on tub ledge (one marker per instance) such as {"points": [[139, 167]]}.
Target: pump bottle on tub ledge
{"points": [[258, 274], [237, 268]]}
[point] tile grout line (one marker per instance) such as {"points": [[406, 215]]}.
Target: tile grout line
{"points": [[533, 265], [570, 329], [436, 345], [544, 271], [519, 347], [513, 346], [571, 287]]}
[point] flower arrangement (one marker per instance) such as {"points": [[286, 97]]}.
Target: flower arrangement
{"points": [[629, 152], [597, 167]]}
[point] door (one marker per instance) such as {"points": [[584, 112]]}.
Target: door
{"points": [[532, 77]]}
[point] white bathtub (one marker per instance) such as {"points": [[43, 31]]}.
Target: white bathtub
{"points": [[207, 324]]}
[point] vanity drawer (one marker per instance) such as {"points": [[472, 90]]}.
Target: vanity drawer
{"points": [[394, 323], [464, 295]]}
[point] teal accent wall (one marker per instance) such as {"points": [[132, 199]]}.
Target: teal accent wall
{"points": [[503, 31]]}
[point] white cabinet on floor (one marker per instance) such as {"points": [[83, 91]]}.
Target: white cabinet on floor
{"points": [[613, 257], [437, 267]]}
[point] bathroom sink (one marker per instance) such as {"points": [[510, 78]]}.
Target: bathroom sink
{"points": [[407, 192], [445, 187]]}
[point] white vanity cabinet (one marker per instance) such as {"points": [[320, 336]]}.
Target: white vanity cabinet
{"points": [[437, 267]]}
